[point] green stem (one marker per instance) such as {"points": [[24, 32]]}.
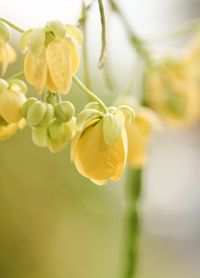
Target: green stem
{"points": [[17, 28], [103, 35], [134, 39], [88, 92], [16, 75], [133, 190]]}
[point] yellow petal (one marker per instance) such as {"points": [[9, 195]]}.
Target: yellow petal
{"points": [[75, 33], [95, 159], [59, 64], [7, 131], [35, 69], [7, 56], [74, 55], [50, 84]]}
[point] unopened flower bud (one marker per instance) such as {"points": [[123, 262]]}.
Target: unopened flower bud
{"points": [[57, 28], [39, 136], [36, 113], [56, 130], [27, 104], [18, 85], [48, 115], [64, 111]]}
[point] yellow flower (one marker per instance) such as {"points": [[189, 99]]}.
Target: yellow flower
{"points": [[96, 154], [173, 94], [7, 53], [11, 102], [52, 57]]}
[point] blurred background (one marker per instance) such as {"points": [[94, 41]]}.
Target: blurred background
{"points": [[55, 223]]}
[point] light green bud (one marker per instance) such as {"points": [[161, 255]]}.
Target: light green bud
{"points": [[39, 136], [55, 130], [64, 111], [27, 104], [86, 116], [57, 28], [18, 85], [68, 132], [36, 113], [48, 115], [112, 128], [4, 32], [37, 40], [3, 85]]}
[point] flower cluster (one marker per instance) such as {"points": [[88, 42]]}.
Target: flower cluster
{"points": [[103, 138]]}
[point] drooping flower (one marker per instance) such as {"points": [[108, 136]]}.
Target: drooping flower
{"points": [[7, 53], [11, 101], [173, 94], [99, 150], [52, 57]]}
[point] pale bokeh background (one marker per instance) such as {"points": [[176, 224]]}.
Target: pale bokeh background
{"points": [[56, 224]]}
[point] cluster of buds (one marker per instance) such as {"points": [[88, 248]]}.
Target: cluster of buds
{"points": [[53, 125]]}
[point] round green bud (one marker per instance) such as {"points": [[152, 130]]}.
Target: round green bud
{"points": [[36, 113], [55, 130], [48, 115], [4, 32], [39, 136], [18, 85], [64, 111], [3, 85], [57, 28], [27, 104]]}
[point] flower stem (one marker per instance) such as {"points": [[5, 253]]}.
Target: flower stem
{"points": [[133, 193], [103, 34], [134, 39], [88, 92], [16, 75], [17, 28]]}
